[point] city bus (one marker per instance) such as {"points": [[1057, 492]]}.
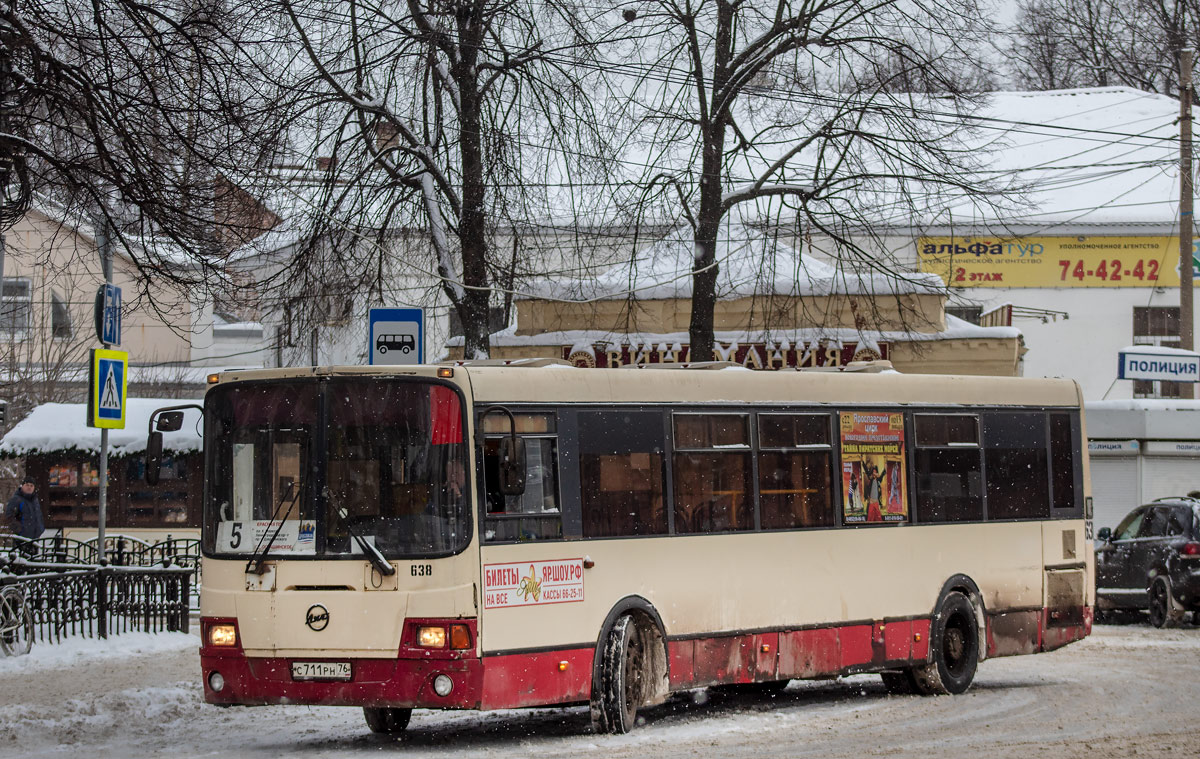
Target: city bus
{"points": [[483, 536]]}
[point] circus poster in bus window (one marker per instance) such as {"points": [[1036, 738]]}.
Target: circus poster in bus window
{"points": [[873, 471]]}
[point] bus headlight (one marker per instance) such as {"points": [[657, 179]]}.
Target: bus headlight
{"points": [[216, 682], [222, 635], [442, 685], [431, 637]]}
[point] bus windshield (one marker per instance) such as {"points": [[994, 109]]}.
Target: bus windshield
{"points": [[300, 468]]}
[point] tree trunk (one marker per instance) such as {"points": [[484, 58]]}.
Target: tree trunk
{"points": [[708, 221], [472, 231], [704, 265]]}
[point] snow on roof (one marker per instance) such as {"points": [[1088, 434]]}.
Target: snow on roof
{"points": [[1097, 156], [63, 427], [750, 262]]}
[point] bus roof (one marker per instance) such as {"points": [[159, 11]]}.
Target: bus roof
{"points": [[563, 383]]}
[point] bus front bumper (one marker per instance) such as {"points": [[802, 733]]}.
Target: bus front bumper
{"points": [[233, 678]]}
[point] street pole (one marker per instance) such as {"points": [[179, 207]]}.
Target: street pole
{"points": [[103, 245], [1186, 219]]}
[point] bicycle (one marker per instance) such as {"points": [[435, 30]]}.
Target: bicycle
{"points": [[16, 622]]}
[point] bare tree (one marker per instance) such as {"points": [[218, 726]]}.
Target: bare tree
{"points": [[451, 118], [800, 110], [1100, 43], [128, 113]]}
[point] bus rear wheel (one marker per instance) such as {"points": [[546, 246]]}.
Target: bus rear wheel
{"points": [[954, 649], [387, 719], [623, 679]]}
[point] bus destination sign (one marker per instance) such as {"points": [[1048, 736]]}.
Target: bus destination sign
{"points": [[532, 583]]}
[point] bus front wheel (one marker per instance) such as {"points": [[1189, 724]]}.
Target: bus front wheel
{"points": [[954, 649], [622, 678], [387, 719]]}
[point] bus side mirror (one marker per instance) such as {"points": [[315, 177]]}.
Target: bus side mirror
{"points": [[154, 445], [1105, 534], [512, 465], [160, 422], [170, 421]]}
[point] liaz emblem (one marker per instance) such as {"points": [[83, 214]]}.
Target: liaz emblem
{"points": [[317, 618]]}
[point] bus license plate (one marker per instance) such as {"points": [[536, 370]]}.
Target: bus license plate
{"points": [[320, 670]]}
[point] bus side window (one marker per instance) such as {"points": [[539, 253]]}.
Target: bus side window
{"points": [[621, 473], [1063, 447], [949, 469], [1018, 473], [535, 514], [712, 482], [795, 462]]}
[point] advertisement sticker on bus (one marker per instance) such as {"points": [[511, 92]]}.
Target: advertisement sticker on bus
{"points": [[532, 583], [294, 536], [873, 469]]}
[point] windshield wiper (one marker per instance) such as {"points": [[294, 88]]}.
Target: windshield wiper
{"points": [[377, 559], [256, 563]]}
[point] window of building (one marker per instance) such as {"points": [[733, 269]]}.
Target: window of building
{"points": [[711, 473], [949, 468], [1156, 325], [16, 307], [1156, 322], [1018, 477], [60, 316], [621, 473], [795, 462], [535, 514], [970, 314]]}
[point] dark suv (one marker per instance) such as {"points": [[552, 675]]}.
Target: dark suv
{"points": [[1152, 561]]}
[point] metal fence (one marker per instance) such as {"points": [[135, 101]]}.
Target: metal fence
{"points": [[97, 601], [119, 550]]}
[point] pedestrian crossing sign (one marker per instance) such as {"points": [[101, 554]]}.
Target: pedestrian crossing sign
{"points": [[107, 385]]}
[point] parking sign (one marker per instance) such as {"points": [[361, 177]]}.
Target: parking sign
{"points": [[397, 336]]}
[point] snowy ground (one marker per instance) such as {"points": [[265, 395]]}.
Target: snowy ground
{"points": [[1126, 691]]}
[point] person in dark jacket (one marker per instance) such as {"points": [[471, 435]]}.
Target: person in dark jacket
{"points": [[24, 509]]}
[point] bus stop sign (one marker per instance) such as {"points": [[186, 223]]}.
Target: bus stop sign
{"points": [[397, 336], [108, 314]]}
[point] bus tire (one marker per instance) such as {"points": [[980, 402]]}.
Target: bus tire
{"points": [[387, 719], [954, 649], [622, 678]]}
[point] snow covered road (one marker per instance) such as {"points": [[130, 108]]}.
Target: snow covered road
{"points": [[1125, 691]]}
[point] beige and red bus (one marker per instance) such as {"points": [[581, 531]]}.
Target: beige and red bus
{"points": [[487, 537]]}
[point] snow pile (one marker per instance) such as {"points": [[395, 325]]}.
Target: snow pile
{"points": [[73, 651], [111, 715], [63, 427]]}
